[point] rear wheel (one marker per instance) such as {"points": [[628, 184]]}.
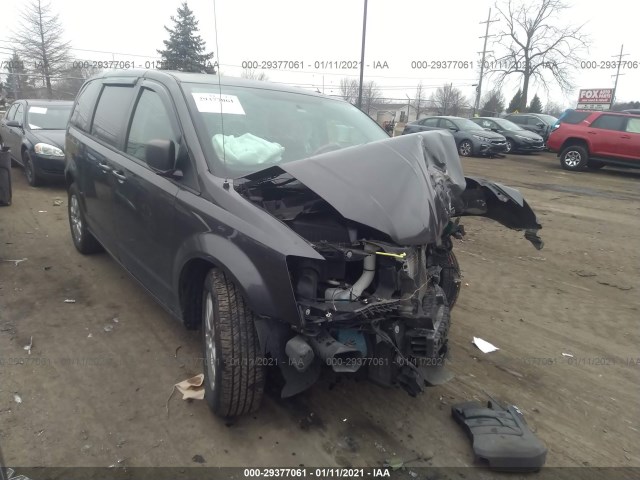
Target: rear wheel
{"points": [[83, 240], [574, 157], [233, 371]]}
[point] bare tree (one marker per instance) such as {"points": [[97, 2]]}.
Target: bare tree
{"points": [[420, 100], [371, 95], [72, 80], [39, 41], [537, 46], [253, 74], [349, 90], [448, 100], [554, 109]]}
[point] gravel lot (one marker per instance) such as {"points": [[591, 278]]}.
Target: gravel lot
{"points": [[94, 389]]}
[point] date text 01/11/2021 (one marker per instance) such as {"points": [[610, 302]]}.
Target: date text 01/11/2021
{"points": [[328, 472]]}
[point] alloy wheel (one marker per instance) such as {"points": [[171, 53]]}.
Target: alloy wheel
{"points": [[465, 149], [210, 341], [572, 158], [509, 146], [76, 219], [28, 167]]}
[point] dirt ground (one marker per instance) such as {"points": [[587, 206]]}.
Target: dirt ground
{"points": [[94, 390]]}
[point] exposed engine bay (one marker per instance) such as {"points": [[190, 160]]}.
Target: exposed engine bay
{"points": [[383, 216]]}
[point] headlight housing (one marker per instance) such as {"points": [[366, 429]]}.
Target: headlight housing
{"points": [[481, 138], [46, 149]]}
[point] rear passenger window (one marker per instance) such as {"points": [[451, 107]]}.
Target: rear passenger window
{"points": [[111, 113], [609, 122], [151, 121], [633, 125], [85, 104]]}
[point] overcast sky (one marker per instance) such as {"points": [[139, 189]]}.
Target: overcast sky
{"points": [[398, 33]]}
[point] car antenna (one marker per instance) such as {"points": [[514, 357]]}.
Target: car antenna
{"points": [[225, 184]]}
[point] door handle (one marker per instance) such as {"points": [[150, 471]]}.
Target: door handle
{"points": [[591, 133], [104, 167], [119, 174], [625, 136]]}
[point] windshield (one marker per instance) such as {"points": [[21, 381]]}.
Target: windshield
{"points": [[466, 124], [264, 127], [506, 124], [548, 119], [49, 117]]}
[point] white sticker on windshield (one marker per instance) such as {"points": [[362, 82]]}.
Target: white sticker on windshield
{"points": [[41, 110], [216, 103]]}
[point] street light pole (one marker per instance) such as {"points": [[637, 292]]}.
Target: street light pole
{"points": [[364, 33]]}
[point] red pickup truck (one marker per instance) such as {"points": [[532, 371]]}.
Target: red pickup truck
{"points": [[584, 138]]}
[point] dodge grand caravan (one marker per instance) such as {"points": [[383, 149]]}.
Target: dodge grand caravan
{"points": [[284, 224]]}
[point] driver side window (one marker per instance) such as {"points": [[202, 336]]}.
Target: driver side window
{"points": [[19, 115], [150, 121]]}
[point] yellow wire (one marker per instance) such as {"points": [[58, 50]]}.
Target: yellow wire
{"points": [[397, 255]]}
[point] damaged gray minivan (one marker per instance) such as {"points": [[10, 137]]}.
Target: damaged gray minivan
{"points": [[285, 224]]}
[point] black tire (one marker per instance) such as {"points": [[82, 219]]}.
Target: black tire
{"points": [[465, 148], [450, 278], [82, 238], [234, 375], [595, 164], [509, 146], [574, 158], [5, 186], [29, 170]]}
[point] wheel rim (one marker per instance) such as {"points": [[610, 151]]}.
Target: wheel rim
{"points": [[28, 168], [572, 158], [508, 146], [210, 340], [76, 220], [465, 149]]}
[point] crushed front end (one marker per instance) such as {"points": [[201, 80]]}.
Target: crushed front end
{"points": [[382, 216]]}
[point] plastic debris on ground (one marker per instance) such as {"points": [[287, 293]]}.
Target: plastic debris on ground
{"points": [[108, 328], [192, 387], [17, 398], [57, 202], [69, 300], [30, 346], [567, 355], [16, 262], [483, 345]]}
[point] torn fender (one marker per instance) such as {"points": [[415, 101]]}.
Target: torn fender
{"points": [[503, 204]]}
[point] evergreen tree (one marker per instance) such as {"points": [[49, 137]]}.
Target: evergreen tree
{"points": [[536, 105], [515, 102], [493, 104], [185, 49]]}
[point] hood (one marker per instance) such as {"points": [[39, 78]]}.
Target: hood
{"points": [[387, 184], [52, 137], [528, 134], [488, 133]]}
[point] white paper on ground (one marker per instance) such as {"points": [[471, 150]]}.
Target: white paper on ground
{"points": [[41, 110], [216, 103], [484, 346]]}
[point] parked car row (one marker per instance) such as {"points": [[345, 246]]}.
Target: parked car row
{"points": [[481, 135]]}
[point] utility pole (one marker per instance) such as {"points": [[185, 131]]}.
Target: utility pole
{"points": [[615, 86], [484, 52], [408, 107], [364, 34]]}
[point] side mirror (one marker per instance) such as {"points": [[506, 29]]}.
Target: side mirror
{"points": [[453, 129], [160, 155], [13, 123], [541, 125]]}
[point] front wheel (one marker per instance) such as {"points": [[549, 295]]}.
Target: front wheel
{"points": [[509, 146], [83, 240], [30, 170], [233, 367], [574, 158], [465, 148]]}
